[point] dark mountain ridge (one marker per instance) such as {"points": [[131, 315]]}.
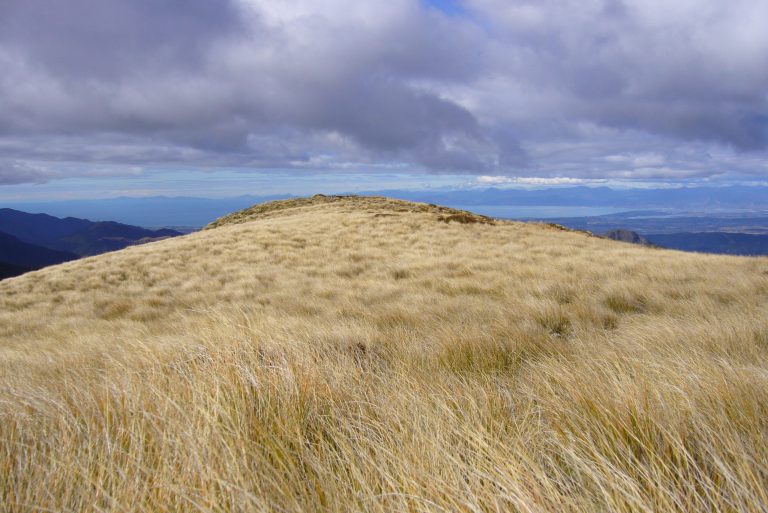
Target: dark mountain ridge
{"points": [[39, 229], [31, 241], [10, 270], [16, 252], [79, 236]]}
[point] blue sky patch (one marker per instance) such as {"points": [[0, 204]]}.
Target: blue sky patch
{"points": [[449, 7]]}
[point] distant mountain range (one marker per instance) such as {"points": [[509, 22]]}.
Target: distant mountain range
{"points": [[31, 241], [646, 222], [731, 234], [197, 212], [16, 252], [682, 198], [156, 211], [691, 216]]}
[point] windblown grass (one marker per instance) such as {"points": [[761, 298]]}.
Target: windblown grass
{"points": [[358, 355]]}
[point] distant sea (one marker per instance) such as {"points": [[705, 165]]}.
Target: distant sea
{"points": [[524, 212]]}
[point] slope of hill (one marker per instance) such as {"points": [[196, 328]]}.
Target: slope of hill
{"points": [[19, 253], [365, 354], [79, 236]]}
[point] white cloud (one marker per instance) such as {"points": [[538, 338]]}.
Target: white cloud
{"points": [[493, 180], [487, 180]]}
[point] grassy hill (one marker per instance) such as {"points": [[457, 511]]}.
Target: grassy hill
{"points": [[366, 354]]}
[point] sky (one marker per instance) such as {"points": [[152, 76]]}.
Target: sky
{"points": [[218, 97]]}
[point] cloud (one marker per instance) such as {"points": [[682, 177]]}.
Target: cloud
{"points": [[493, 180], [529, 89], [487, 180], [690, 71], [12, 173], [80, 40]]}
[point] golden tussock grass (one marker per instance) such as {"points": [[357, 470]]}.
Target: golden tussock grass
{"points": [[364, 354]]}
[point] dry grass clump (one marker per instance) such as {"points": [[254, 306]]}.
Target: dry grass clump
{"points": [[466, 218], [344, 355]]}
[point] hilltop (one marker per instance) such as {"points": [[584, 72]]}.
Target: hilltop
{"points": [[341, 353], [377, 205]]}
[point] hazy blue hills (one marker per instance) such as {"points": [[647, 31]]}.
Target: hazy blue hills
{"points": [[40, 229], [106, 236], [79, 236], [685, 212], [152, 211], [31, 241], [662, 222], [197, 212], [17, 253], [688, 198], [731, 234]]}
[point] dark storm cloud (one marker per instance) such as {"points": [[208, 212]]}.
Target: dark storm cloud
{"points": [[212, 83], [527, 88], [81, 39]]}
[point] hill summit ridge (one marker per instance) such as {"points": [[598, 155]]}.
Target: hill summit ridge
{"points": [[349, 203]]}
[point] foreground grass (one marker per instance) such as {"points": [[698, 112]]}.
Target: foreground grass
{"points": [[360, 355]]}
